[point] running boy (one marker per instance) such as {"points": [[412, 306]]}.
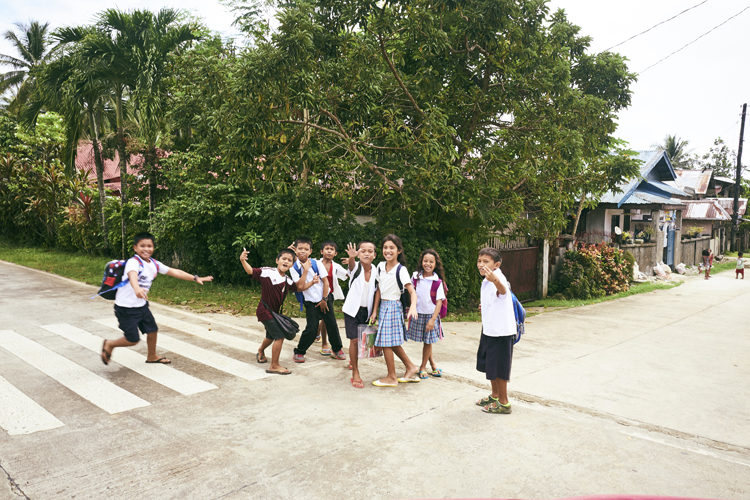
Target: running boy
{"points": [[274, 285], [495, 351], [335, 272], [131, 302], [316, 302]]}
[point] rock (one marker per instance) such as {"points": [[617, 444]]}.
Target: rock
{"points": [[680, 268]]}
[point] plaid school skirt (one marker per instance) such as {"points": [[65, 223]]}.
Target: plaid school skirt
{"points": [[418, 330], [391, 328]]}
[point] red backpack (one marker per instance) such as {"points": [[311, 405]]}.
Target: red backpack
{"points": [[433, 294]]}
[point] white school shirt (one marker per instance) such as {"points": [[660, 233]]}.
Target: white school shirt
{"points": [[387, 281], [315, 292], [339, 273], [424, 287], [498, 319], [361, 293], [125, 296]]}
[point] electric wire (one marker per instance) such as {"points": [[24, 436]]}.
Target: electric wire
{"points": [[656, 25], [693, 41]]}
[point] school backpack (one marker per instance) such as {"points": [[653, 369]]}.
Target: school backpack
{"points": [[301, 296], [436, 284], [520, 313], [114, 278]]}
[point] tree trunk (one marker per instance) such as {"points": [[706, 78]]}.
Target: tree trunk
{"points": [[99, 177], [578, 217], [150, 164], [122, 165]]}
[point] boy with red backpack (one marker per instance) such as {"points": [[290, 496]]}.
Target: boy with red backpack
{"points": [[131, 304], [429, 283]]}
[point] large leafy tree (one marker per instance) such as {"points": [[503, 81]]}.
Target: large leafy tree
{"points": [[721, 159], [34, 47]]}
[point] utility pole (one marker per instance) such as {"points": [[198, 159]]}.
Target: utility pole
{"points": [[737, 180]]}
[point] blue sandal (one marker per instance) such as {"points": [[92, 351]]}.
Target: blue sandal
{"points": [[423, 374], [437, 372]]}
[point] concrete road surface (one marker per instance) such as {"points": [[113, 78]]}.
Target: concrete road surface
{"points": [[643, 395]]}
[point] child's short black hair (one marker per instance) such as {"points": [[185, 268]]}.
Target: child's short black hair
{"points": [[362, 242], [143, 236], [329, 243], [303, 239], [492, 253], [739, 254], [286, 250]]}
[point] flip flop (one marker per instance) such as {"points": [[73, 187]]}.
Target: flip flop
{"points": [[378, 383], [161, 361], [325, 352], [276, 372], [423, 374], [437, 372], [357, 384], [259, 359], [106, 356], [404, 380]]}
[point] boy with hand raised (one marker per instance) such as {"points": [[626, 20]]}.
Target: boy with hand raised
{"points": [[315, 292]]}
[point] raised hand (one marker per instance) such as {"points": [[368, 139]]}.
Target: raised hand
{"points": [[243, 255], [351, 250]]}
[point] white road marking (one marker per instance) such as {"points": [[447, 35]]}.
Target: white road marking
{"points": [[203, 332], [19, 414], [86, 384], [163, 374], [203, 356]]}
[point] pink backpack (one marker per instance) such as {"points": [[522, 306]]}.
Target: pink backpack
{"points": [[433, 295]]}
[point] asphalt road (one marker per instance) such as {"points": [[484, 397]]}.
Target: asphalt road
{"points": [[643, 395]]}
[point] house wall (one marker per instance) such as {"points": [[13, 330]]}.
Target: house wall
{"points": [[595, 226], [705, 225]]}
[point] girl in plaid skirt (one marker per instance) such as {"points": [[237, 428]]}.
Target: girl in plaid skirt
{"points": [[389, 313], [429, 282]]}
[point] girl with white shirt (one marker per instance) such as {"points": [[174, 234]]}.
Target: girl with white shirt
{"points": [[429, 282], [389, 313], [358, 305]]}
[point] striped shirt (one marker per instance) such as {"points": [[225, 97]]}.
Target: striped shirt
{"points": [[273, 289]]}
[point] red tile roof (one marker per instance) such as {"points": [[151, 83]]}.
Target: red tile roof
{"points": [[85, 162]]}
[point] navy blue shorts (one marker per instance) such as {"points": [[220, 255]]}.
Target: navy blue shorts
{"points": [[273, 331], [132, 319], [352, 324], [494, 356]]}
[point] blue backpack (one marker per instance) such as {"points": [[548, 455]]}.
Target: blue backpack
{"points": [[301, 296], [520, 314]]}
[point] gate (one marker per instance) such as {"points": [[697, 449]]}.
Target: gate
{"points": [[520, 267]]}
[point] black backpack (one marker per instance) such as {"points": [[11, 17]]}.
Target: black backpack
{"points": [[113, 277]]}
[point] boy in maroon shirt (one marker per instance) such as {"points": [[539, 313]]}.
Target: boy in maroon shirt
{"points": [[274, 285]]}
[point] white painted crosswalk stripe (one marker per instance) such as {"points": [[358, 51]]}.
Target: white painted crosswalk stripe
{"points": [[19, 414], [162, 374], [86, 384], [203, 332], [203, 356]]}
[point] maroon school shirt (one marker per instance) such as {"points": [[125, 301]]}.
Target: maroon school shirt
{"points": [[273, 289]]}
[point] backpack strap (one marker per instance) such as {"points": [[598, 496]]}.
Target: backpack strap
{"points": [[398, 278], [357, 272], [433, 290]]}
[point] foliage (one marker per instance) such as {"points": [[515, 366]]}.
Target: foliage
{"points": [[677, 151], [721, 159], [594, 271]]}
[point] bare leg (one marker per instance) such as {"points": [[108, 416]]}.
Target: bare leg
{"points": [[263, 346], [354, 359], [109, 346], [411, 368], [390, 365], [500, 390], [151, 343], [323, 335], [426, 356], [275, 354]]}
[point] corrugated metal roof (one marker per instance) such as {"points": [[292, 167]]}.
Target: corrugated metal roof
{"points": [[709, 209], [696, 180], [728, 205]]}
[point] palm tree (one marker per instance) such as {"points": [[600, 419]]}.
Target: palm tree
{"points": [[676, 150], [34, 48], [69, 86]]}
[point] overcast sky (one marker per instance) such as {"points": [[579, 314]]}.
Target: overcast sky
{"points": [[696, 94]]}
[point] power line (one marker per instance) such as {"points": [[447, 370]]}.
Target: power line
{"points": [[693, 41], [657, 24]]}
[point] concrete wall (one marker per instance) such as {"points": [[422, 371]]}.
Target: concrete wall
{"points": [[645, 255], [692, 250]]}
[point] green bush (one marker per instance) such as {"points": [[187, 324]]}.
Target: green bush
{"points": [[594, 271]]}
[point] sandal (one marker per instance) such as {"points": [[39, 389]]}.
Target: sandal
{"points": [[260, 359], [437, 372], [423, 374], [325, 352], [357, 384], [106, 355]]}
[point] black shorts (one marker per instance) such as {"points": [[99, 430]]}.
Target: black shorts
{"points": [[494, 356], [352, 324], [132, 319], [273, 331]]}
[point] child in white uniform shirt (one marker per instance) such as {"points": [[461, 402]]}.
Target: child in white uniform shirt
{"points": [[427, 328], [131, 305], [495, 351]]}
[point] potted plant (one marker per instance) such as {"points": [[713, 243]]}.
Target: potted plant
{"points": [[627, 238]]}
